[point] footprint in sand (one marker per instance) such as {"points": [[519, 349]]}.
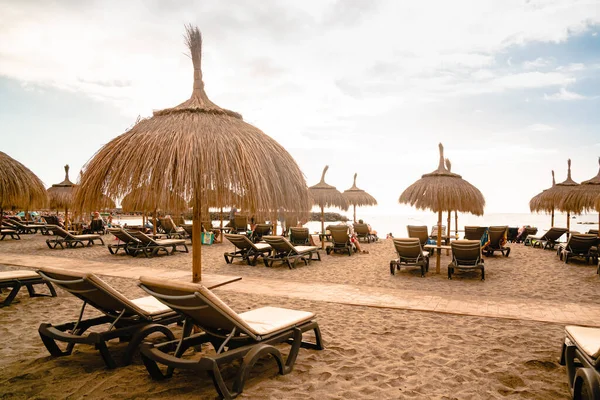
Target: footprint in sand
{"points": [[545, 365]]}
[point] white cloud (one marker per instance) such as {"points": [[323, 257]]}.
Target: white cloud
{"points": [[538, 63], [564, 95], [532, 80], [540, 128]]}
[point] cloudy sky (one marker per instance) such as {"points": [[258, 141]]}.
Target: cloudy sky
{"points": [[511, 88]]}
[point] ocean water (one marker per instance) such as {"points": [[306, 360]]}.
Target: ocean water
{"points": [[396, 224]]}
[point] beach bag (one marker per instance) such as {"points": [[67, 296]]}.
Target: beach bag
{"points": [[207, 238]]}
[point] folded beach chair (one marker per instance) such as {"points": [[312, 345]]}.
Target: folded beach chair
{"points": [[125, 241], [579, 245], [362, 232], [496, 241], [419, 232], [410, 254], [63, 237], [581, 355], [9, 232], [19, 278], [548, 239], [124, 319], [299, 236], [151, 247], [466, 255], [340, 240], [284, 251], [247, 250], [236, 339], [474, 232], [261, 230]]}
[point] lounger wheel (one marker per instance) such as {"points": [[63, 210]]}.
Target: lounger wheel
{"points": [[586, 385], [142, 334]]}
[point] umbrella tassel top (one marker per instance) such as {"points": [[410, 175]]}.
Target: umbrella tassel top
{"points": [[358, 197], [325, 195]]}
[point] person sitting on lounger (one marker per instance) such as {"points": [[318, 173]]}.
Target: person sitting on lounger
{"points": [[371, 231]]}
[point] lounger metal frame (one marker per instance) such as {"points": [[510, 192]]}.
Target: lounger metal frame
{"points": [[247, 250], [16, 285], [410, 254], [583, 372], [287, 252]]}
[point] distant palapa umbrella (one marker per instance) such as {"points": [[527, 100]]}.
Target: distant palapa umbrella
{"points": [[61, 195], [324, 195], [442, 190], [194, 147], [358, 197], [585, 197], [543, 202], [558, 193], [19, 187]]}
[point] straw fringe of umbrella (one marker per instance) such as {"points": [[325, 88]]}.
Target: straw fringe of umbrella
{"points": [[557, 194], [19, 187], [585, 197], [61, 194], [358, 197], [194, 147], [541, 202]]}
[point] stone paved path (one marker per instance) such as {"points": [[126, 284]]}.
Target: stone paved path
{"points": [[524, 309]]}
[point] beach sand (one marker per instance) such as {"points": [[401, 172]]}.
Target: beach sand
{"points": [[371, 353]]}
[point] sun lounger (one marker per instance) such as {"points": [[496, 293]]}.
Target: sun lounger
{"points": [[340, 240], [123, 319], [9, 232], [97, 226], [579, 245], [419, 232], [19, 278], [261, 230], [524, 237], [581, 355], [246, 250], [466, 255], [299, 236], [511, 234], [496, 241], [64, 237], [172, 230], [240, 224], [410, 254], [23, 228], [235, 338], [362, 232], [474, 232], [548, 239], [125, 241], [284, 251], [150, 247]]}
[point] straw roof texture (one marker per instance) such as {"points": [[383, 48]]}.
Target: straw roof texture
{"points": [[358, 197], [194, 147], [19, 187], [442, 190], [324, 195], [584, 197], [61, 194], [542, 202], [142, 199], [558, 193]]}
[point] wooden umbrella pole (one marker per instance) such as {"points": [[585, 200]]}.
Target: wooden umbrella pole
{"points": [[154, 222], [568, 224], [439, 243], [196, 242], [552, 219], [221, 225], [354, 213], [456, 224], [448, 230], [322, 227]]}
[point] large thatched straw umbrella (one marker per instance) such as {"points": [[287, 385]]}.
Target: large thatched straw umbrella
{"points": [[442, 190], [358, 197], [19, 187], [193, 147], [542, 202], [558, 193], [584, 197], [324, 195], [61, 195]]}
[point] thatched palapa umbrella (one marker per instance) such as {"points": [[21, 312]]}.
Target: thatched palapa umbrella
{"points": [[61, 195], [358, 197], [193, 147], [324, 195], [442, 190], [585, 197], [19, 187], [558, 193], [543, 202]]}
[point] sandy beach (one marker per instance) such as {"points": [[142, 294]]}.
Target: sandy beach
{"points": [[371, 352]]}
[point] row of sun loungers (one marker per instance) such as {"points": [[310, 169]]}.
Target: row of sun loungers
{"points": [[238, 340]]}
